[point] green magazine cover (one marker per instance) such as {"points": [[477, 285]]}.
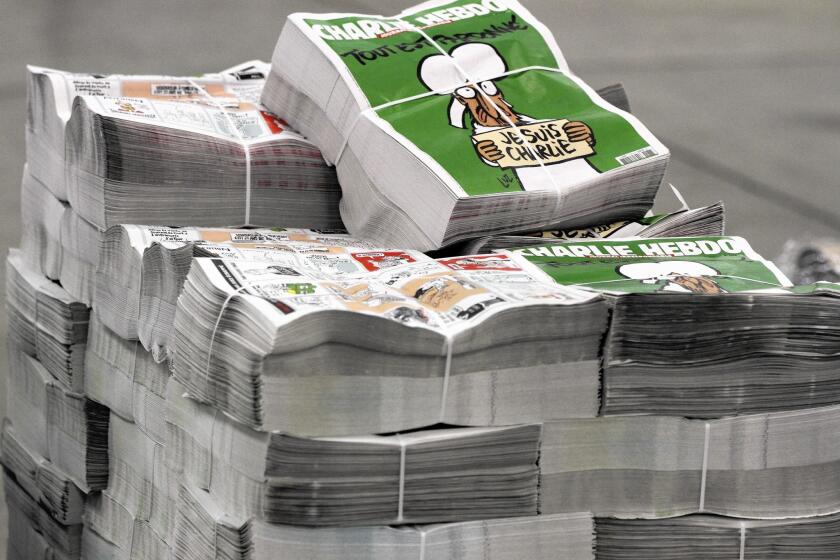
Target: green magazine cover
{"points": [[699, 265], [488, 101]]}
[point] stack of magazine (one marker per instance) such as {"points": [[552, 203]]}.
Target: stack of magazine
{"points": [[491, 131], [782, 464], [708, 537], [685, 222], [702, 327], [406, 343], [135, 147], [45, 321], [142, 269], [58, 424], [205, 365]]}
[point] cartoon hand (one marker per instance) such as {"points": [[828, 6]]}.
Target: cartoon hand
{"points": [[489, 151], [578, 132]]}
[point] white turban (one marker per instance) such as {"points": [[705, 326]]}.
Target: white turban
{"points": [[664, 269], [441, 73]]}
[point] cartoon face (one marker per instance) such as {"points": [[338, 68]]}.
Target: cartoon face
{"points": [[486, 104], [470, 72], [447, 288], [675, 276], [445, 73], [432, 287]]}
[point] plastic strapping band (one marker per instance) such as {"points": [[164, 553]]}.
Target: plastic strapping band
{"points": [[447, 372], [37, 316], [131, 540], [399, 441], [215, 540], [702, 506], [422, 544], [133, 367], [39, 476], [743, 539], [212, 445], [148, 516], [140, 286], [235, 130], [401, 500]]}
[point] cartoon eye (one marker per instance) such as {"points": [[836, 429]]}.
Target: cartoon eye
{"points": [[489, 88], [466, 92]]}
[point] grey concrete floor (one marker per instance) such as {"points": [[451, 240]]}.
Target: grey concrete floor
{"points": [[746, 93]]}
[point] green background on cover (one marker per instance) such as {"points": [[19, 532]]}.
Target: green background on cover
{"points": [[539, 94], [818, 287], [737, 272]]}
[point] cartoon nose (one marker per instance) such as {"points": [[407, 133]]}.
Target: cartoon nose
{"points": [[489, 105]]}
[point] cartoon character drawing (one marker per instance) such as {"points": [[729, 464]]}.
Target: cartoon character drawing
{"points": [[675, 276], [406, 314], [380, 261], [443, 292], [490, 111]]}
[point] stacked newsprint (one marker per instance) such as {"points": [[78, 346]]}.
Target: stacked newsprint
{"points": [[205, 365]]}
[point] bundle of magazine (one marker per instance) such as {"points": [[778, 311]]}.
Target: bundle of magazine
{"points": [[33, 531], [42, 480], [546, 537], [702, 327], [45, 322], [685, 222], [402, 342], [214, 510], [50, 94], [777, 465], [457, 119], [144, 543], [56, 241], [709, 537], [56, 423], [427, 476], [142, 269], [206, 531], [121, 375], [137, 146], [41, 215], [132, 514]]}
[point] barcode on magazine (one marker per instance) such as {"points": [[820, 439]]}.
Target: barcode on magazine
{"points": [[638, 155]]}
